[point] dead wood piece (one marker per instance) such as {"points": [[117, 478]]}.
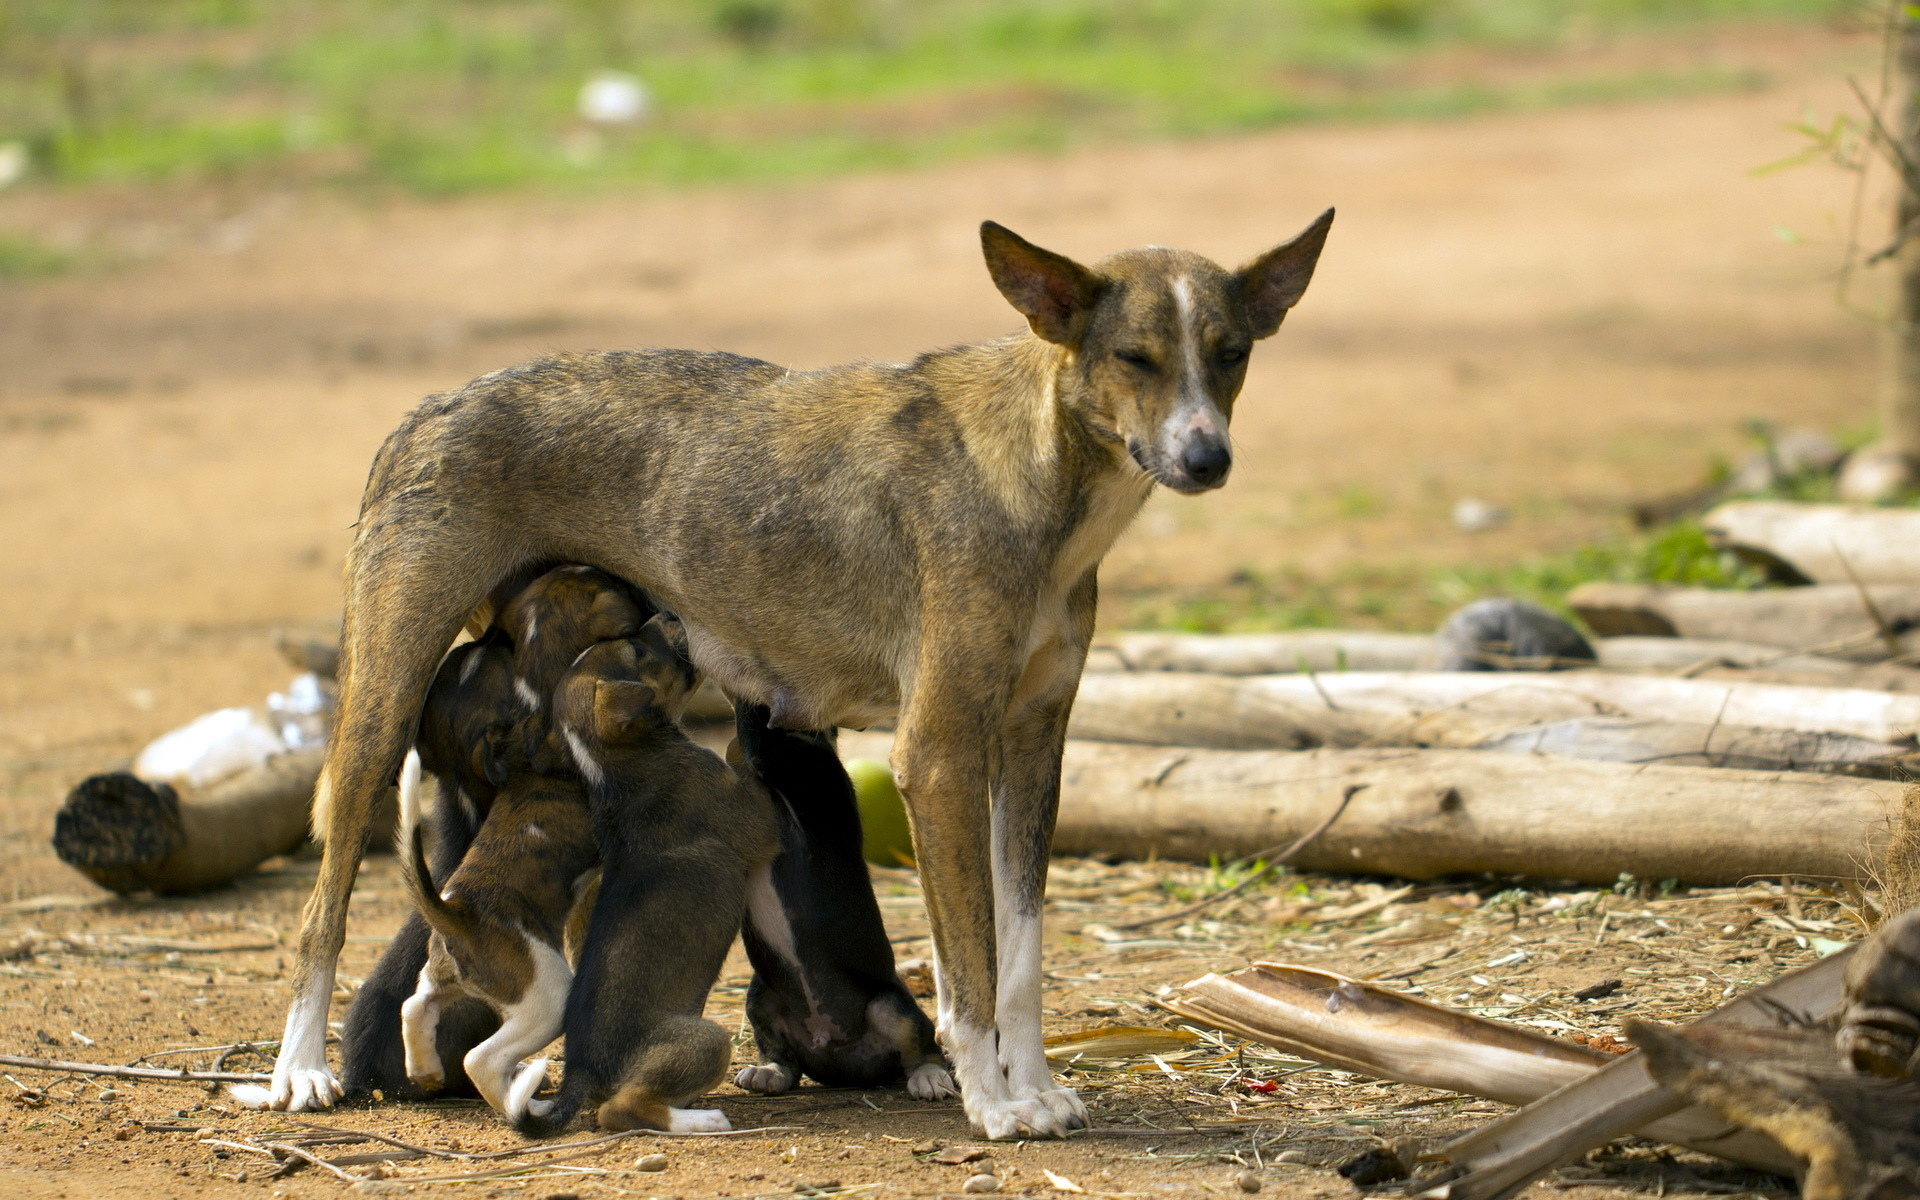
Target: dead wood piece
{"points": [[1370, 1030], [1825, 543], [1689, 744], [158, 1074], [1427, 813], [1505, 1155], [1829, 620], [1854, 1136], [129, 835], [1453, 708], [1880, 1028], [305, 652]]}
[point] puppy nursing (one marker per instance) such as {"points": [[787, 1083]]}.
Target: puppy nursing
{"points": [[680, 834]]}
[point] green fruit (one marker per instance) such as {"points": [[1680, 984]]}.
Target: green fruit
{"points": [[885, 838]]}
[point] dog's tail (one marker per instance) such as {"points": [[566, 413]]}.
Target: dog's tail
{"points": [[543, 1118], [445, 919]]}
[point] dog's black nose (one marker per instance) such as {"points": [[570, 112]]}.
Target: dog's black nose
{"points": [[1205, 460]]}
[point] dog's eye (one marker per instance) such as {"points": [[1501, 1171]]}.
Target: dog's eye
{"points": [[1135, 358], [1230, 356]]}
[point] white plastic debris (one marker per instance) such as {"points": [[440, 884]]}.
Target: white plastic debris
{"points": [[301, 712], [14, 161], [1478, 516], [210, 748], [614, 98]]}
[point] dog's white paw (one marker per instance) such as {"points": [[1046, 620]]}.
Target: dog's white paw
{"points": [[1000, 1120], [249, 1095], [932, 1081], [697, 1120], [769, 1079], [303, 1089], [1065, 1103]]}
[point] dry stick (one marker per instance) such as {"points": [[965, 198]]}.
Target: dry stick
{"points": [[1879, 619], [161, 1074], [309, 1156], [1280, 857]]}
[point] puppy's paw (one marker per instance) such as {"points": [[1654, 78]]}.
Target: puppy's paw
{"points": [[932, 1081], [303, 1089], [520, 1091], [697, 1120], [769, 1079], [1001, 1120]]}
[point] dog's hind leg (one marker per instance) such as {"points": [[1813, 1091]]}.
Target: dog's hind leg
{"points": [[407, 598], [530, 1023], [420, 1030]]}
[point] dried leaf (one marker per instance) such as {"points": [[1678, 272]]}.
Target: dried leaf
{"points": [[953, 1156], [1108, 1042], [1062, 1183]]}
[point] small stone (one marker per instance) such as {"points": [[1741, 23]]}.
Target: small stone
{"points": [[107, 1096], [981, 1183], [1248, 1182], [124, 1133], [650, 1162], [240, 1177], [1291, 1156], [181, 1113]]}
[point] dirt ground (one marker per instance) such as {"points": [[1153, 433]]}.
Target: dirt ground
{"points": [[1556, 311]]}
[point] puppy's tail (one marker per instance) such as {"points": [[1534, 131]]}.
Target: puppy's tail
{"points": [[411, 848], [544, 1118]]}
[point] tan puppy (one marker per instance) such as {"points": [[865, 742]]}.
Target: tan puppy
{"points": [[499, 925]]}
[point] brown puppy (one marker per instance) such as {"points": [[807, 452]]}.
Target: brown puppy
{"points": [[557, 616], [499, 924], [680, 834], [844, 545]]}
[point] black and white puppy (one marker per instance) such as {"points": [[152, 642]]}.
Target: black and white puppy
{"points": [[825, 1000]]}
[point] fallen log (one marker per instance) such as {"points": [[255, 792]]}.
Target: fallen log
{"points": [[1454, 708], [1427, 813], [1831, 620], [128, 834], [1822, 543], [1369, 1030]]}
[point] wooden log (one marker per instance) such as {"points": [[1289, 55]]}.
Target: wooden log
{"points": [[129, 835], [1827, 619], [1688, 744], [1427, 813], [1454, 708], [1353, 650], [1822, 541]]}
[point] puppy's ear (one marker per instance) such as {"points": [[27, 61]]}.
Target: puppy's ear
{"points": [[665, 636], [496, 752], [1274, 282], [619, 705], [1053, 292], [612, 615]]}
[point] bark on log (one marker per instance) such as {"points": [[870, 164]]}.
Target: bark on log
{"points": [[1454, 708], [1821, 541], [129, 835], [1828, 619], [1427, 813]]}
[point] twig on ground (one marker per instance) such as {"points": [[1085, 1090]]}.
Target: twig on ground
{"points": [[1276, 856], [162, 1074]]}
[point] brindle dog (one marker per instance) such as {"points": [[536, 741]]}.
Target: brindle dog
{"points": [[844, 545]]}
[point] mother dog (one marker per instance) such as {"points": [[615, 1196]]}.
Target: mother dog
{"points": [[842, 545]]}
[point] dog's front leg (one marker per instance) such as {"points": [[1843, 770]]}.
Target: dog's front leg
{"points": [[944, 762], [1026, 797]]}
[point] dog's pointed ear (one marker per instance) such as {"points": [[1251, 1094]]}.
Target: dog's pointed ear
{"points": [[619, 705], [1053, 292], [1274, 282]]}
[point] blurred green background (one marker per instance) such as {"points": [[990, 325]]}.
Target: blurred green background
{"points": [[451, 95]]}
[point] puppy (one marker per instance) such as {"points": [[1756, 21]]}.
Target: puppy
{"points": [[471, 693], [825, 1000], [499, 924], [680, 834], [559, 614]]}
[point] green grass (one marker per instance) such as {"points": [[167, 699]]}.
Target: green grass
{"points": [[451, 95], [25, 258], [1385, 596]]}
